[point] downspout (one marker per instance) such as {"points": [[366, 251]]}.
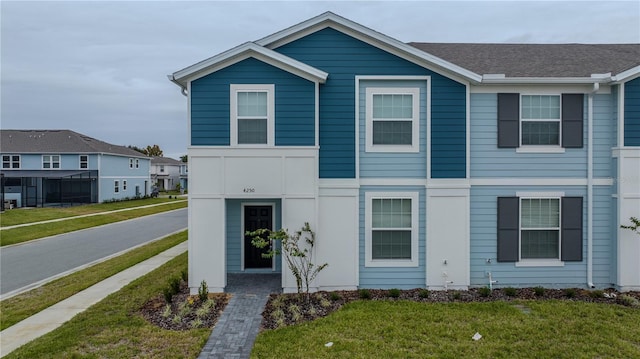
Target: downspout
{"points": [[596, 87]]}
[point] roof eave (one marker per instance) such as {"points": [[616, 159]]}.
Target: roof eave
{"points": [[627, 75], [490, 79]]}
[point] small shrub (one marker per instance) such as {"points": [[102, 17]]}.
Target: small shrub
{"points": [[166, 313], [456, 295], [570, 292], [184, 309], [423, 293], [510, 291], [312, 311], [334, 296], [174, 284], [202, 311], [484, 291], [325, 303], [168, 295], [596, 294], [177, 319], [278, 301], [278, 314], [196, 323], [294, 311], [538, 291], [209, 304], [629, 301], [203, 291], [364, 294], [394, 293]]}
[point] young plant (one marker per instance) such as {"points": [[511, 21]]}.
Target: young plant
{"points": [[203, 291], [364, 294], [484, 291], [634, 227], [423, 293], [394, 293], [297, 249], [510, 291], [538, 291]]}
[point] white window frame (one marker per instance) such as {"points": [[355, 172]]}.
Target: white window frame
{"points": [[161, 168], [415, 215], [233, 96], [85, 162], [124, 185], [415, 119], [137, 163], [116, 186], [539, 262], [11, 162], [49, 159], [130, 162], [540, 148]]}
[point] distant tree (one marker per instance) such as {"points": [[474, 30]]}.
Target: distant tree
{"points": [[136, 148], [184, 158], [153, 151]]}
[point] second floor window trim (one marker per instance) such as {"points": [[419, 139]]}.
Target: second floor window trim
{"points": [[252, 110], [51, 162], [10, 162], [392, 119], [84, 161]]}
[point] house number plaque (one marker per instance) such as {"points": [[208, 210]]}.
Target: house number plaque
{"points": [[249, 190]]}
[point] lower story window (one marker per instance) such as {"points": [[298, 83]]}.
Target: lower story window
{"points": [[392, 229], [116, 186], [540, 228]]}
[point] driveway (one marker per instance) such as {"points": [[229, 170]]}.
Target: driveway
{"points": [[32, 262]]}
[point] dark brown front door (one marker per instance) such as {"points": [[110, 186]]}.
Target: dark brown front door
{"points": [[256, 217]]}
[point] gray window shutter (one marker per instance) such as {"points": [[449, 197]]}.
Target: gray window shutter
{"points": [[572, 118], [508, 120], [571, 229], [508, 228]]}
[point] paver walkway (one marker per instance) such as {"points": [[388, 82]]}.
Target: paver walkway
{"points": [[238, 326]]}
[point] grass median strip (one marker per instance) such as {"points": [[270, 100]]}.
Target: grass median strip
{"points": [[21, 216], [24, 234], [114, 328], [25, 305]]}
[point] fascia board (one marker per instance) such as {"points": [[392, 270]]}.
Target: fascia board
{"points": [[627, 75], [242, 52], [368, 35], [543, 80]]}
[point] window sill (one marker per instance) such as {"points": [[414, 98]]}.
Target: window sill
{"points": [[540, 149], [391, 263], [391, 149], [540, 263]]}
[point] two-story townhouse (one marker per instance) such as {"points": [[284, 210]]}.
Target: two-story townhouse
{"points": [[418, 165], [167, 173], [57, 167]]}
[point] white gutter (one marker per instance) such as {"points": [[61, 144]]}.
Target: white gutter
{"points": [[596, 87]]}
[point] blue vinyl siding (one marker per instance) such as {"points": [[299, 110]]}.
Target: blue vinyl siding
{"points": [[390, 277], [632, 113], [484, 246], [344, 57], [294, 104], [489, 161], [234, 231], [385, 165]]}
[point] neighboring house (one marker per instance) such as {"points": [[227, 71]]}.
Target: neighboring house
{"points": [[57, 167], [166, 173], [418, 165]]}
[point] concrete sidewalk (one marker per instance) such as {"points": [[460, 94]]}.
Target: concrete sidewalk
{"points": [[54, 316]]}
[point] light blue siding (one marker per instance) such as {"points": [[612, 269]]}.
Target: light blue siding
{"points": [[632, 113], [234, 231], [604, 134], [381, 165], [484, 245], [114, 168], [294, 104], [344, 57], [487, 160], [390, 277]]}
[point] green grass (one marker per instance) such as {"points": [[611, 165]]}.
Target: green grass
{"points": [[113, 328], [390, 329], [25, 305], [24, 234], [21, 216]]}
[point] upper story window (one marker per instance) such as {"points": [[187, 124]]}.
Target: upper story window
{"points": [[10, 161], [137, 163], [540, 122], [50, 161], [84, 161], [161, 168], [252, 115], [130, 162], [392, 119], [391, 229]]}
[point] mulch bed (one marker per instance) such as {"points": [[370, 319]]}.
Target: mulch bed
{"points": [[288, 309], [155, 310]]}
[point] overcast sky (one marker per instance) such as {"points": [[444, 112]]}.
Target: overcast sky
{"points": [[99, 68]]}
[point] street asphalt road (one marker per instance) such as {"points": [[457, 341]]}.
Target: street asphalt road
{"points": [[29, 263]]}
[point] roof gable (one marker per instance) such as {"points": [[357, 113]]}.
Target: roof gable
{"points": [[242, 52]]}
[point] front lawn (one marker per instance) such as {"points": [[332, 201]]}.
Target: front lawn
{"points": [[406, 329]]}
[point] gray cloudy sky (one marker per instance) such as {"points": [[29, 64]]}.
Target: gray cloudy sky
{"points": [[99, 68]]}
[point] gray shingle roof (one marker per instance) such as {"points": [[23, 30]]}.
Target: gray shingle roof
{"points": [[57, 141], [537, 60], [166, 161]]}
